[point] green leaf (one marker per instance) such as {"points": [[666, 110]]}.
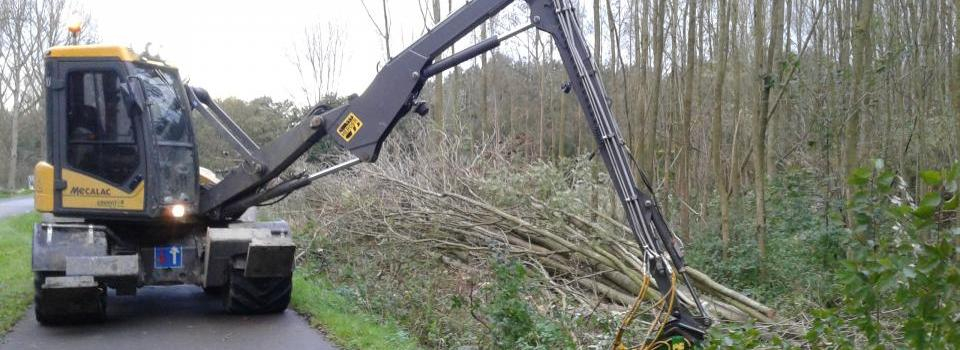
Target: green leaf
{"points": [[928, 205], [932, 177], [860, 176], [953, 203], [885, 180]]}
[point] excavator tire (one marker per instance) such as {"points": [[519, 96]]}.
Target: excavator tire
{"points": [[89, 305], [214, 291], [257, 295]]}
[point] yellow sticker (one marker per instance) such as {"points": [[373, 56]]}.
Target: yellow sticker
{"points": [[349, 127]]}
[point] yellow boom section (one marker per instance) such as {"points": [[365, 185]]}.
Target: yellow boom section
{"points": [[93, 51]]}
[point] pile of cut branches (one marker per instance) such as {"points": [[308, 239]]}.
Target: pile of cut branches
{"points": [[466, 207]]}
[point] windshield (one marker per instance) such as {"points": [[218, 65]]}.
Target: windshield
{"points": [[166, 108], [170, 125]]}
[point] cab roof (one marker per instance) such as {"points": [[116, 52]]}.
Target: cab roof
{"points": [[93, 51]]}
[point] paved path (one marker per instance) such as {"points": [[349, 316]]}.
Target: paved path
{"points": [[15, 206], [179, 317]]}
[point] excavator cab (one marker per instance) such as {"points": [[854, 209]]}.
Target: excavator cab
{"points": [[120, 138]]}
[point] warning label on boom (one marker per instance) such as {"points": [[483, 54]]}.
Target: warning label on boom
{"points": [[349, 127]]}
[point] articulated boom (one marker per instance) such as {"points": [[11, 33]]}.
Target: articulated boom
{"points": [[362, 125]]}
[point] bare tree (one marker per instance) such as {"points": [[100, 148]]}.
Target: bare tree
{"points": [[319, 60], [384, 29], [30, 27]]}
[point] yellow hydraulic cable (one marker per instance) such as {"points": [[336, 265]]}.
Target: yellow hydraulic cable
{"points": [[665, 314], [630, 316], [669, 309]]}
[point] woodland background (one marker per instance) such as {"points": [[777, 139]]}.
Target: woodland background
{"points": [[785, 139]]}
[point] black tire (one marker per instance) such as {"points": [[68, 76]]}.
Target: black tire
{"points": [[83, 307], [247, 296], [214, 291]]}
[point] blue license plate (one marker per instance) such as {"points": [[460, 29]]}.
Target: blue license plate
{"points": [[168, 257]]}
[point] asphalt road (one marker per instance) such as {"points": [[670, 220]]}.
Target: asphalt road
{"points": [[177, 317], [15, 206]]}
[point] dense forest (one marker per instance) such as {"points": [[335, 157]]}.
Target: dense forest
{"points": [[805, 151]]}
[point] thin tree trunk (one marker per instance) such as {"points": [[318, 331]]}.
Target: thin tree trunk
{"points": [[761, 118], [862, 60], [438, 81], [686, 147], [386, 29], [484, 84], [541, 80], [654, 98], [14, 141], [598, 56], [716, 129], [642, 96], [955, 82]]}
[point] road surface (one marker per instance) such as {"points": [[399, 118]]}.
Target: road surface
{"points": [[15, 206], [179, 317]]}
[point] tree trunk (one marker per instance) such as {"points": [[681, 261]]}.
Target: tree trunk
{"points": [[654, 98], [438, 80], [484, 85], [762, 118], [716, 129], [642, 91], [686, 147], [955, 82], [597, 55], [14, 136], [862, 60], [597, 35], [386, 29], [541, 75]]}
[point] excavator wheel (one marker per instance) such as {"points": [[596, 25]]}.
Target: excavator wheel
{"points": [[214, 291], [68, 306], [257, 295]]}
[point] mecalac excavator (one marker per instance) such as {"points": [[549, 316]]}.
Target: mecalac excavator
{"points": [[126, 204]]}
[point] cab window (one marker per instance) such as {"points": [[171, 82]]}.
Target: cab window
{"points": [[101, 135]]}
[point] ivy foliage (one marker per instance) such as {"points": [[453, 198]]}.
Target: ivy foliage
{"points": [[899, 285]]}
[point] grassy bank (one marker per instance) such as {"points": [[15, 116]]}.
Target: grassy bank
{"points": [[337, 313], [15, 275]]}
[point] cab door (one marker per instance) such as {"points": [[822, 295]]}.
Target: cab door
{"points": [[100, 155]]}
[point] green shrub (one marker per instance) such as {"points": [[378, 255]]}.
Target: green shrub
{"points": [[900, 283], [513, 322]]}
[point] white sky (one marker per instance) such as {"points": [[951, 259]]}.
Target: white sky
{"points": [[244, 48]]}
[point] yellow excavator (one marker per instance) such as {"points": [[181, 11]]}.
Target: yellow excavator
{"points": [[127, 205]]}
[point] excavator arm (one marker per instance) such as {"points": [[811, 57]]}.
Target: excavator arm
{"points": [[362, 124]]}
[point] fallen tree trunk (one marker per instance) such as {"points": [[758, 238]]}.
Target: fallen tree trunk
{"points": [[575, 251]]}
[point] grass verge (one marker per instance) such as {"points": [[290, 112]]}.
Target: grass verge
{"points": [[16, 279], [344, 322]]}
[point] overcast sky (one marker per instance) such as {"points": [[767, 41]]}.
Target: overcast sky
{"points": [[243, 48]]}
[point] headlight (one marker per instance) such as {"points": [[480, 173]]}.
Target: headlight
{"points": [[178, 211]]}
